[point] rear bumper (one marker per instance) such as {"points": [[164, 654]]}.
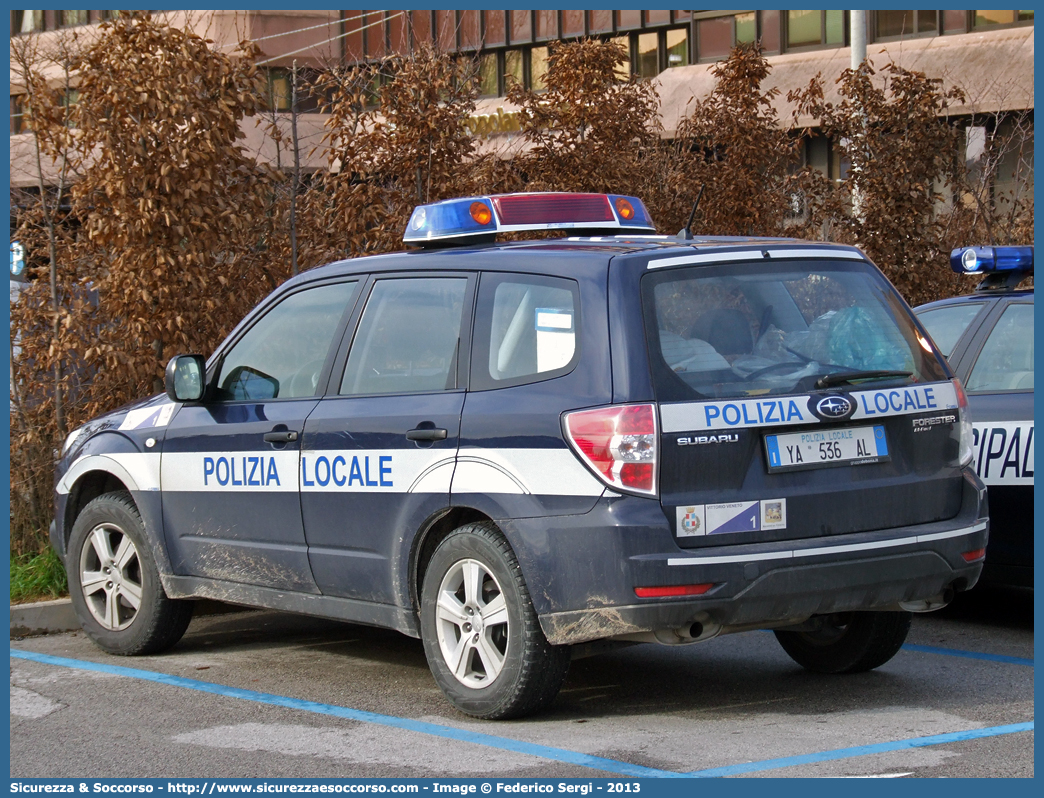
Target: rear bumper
{"points": [[587, 593]]}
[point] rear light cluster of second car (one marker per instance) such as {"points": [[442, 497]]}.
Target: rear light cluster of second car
{"points": [[619, 443], [966, 438]]}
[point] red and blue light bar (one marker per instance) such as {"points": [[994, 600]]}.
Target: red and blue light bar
{"points": [[984, 260], [472, 217]]}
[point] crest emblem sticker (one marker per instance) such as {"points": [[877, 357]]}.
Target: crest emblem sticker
{"points": [[691, 521]]}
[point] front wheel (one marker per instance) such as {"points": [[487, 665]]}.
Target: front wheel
{"points": [[114, 583], [848, 642], [481, 634]]}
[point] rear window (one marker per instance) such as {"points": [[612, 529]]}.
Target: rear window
{"points": [[776, 328]]}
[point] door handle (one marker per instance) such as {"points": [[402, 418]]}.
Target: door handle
{"points": [[423, 434], [282, 436]]}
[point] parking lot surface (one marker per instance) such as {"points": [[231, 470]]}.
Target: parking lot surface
{"points": [[264, 694]]}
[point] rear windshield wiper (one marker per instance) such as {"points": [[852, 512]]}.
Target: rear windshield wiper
{"points": [[842, 377]]}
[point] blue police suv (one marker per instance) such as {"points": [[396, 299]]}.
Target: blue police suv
{"points": [[988, 338], [514, 449]]}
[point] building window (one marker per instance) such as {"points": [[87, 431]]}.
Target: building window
{"points": [[279, 89], [538, 68], [718, 35], [993, 19], [905, 23], [18, 120], [487, 73], [68, 100], [493, 30], [623, 70], [678, 47], [67, 19], [27, 21], [648, 55], [809, 28], [521, 26], [714, 37], [513, 72]]}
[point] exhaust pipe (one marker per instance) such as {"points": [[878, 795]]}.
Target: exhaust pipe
{"points": [[929, 604]]}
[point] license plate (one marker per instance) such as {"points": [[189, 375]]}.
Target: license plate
{"points": [[820, 448]]}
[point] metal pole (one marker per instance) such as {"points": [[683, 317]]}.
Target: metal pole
{"points": [[857, 31], [857, 25]]}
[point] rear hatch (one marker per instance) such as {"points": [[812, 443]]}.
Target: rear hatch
{"points": [[797, 399]]}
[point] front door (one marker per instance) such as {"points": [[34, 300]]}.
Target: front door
{"points": [[230, 467]]}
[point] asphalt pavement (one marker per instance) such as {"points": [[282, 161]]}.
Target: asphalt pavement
{"points": [[264, 694]]}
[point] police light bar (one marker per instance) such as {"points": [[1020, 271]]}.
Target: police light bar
{"points": [[501, 213], [983, 260]]}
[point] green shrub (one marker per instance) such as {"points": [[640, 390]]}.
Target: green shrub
{"points": [[37, 577]]}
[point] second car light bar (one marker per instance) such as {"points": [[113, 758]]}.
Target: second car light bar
{"points": [[980, 260], [482, 217]]}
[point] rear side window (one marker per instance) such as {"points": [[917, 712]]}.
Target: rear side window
{"points": [[525, 330], [756, 329], [946, 325], [1006, 360]]}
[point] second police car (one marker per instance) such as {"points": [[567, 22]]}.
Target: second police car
{"points": [[988, 338], [514, 449]]}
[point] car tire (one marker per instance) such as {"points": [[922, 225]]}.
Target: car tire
{"points": [[481, 634], [850, 642], [111, 568]]}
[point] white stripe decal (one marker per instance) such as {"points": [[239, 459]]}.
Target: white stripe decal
{"points": [[310, 471], [827, 550], [136, 470], [782, 410], [1003, 452], [253, 472], [549, 472], [544, 472]]}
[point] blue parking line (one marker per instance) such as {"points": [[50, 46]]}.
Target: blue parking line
{"points": [[861, 750], [488, 740], [953, 652]]}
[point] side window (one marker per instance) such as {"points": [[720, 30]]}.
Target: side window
{"points": [[408, 337], [946, 325], [280, 357], [1006, 360], [525, 330]]}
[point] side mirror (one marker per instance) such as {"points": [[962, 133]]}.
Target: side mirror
{"points": [[185, 379]]}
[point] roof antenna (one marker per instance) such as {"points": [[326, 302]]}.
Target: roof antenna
{"points": [[686, 232]]}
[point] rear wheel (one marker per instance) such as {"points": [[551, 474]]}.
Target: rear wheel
{"points": [[481, 634], [114, 583], [848, 642]]}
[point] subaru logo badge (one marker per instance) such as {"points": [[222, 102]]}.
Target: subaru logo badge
{"points": [[833, 407]]}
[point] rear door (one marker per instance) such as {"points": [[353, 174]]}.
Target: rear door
{"points": [[756, 446], [378, 452], [998, 375]]}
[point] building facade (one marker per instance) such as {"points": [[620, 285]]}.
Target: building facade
{"points": [[986, 53]]}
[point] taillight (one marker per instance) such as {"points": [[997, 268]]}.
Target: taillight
{"points": [[618, 443], [966, 439]]}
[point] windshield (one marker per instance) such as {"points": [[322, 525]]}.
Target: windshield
{"points": [[775, 328]]}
